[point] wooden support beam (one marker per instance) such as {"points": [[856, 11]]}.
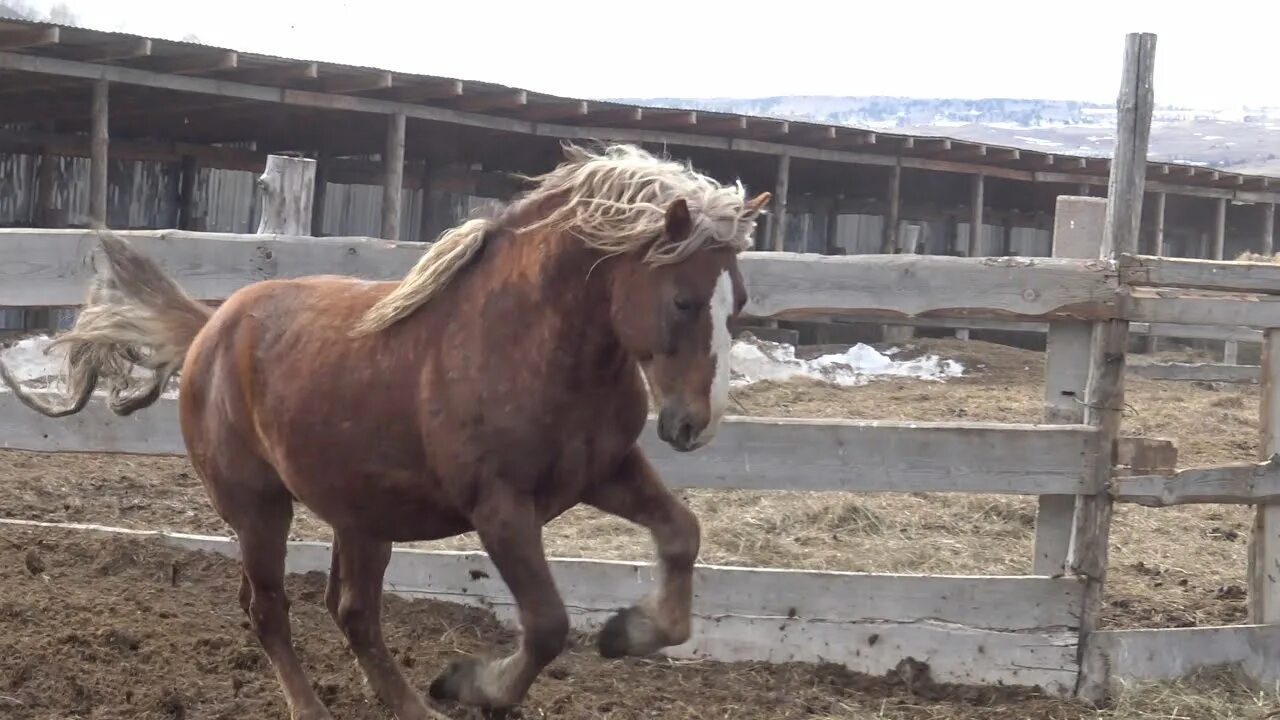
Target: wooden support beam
{"points": [[428, 90], [99, 138], [657, 118], [1267, 246], [29, 37], [778, 220], [46, 180], [1219, 229], [502, 100], [832, 244], [889, 244], [278, 73], [321, 194], [393, 183], [125, 49], [976, 201], [1105, 396], [187, 193], [1234, 484], [555, 111], [614, 114], [720, 123], [1152, 341], [287, 187], [195, 63], [355, 83]]}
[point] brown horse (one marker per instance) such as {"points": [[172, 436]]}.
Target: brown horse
{"points": [[500, 383]]}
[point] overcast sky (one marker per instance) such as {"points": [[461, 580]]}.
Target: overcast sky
{"points": [[1218, 54]]}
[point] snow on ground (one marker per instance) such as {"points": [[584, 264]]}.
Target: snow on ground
{"points": [[755, 360], [751, 360]]}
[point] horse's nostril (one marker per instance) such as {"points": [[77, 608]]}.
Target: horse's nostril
{"points": [[685, 434]]}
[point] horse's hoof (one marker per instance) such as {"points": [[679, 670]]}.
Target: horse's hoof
{"points": [[457, 682], [614, 640]]}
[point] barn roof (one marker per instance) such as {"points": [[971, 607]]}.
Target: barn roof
{"points": [[45, 70]]}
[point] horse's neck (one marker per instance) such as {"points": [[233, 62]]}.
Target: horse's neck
{"points": [[563, 290]]}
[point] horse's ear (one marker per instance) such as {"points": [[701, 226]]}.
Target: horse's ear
{"points": [[678, 223], [756, 204]]}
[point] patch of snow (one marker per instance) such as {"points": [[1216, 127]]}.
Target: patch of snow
{"points": [[1211, 137], [28, 363], [757, 360], [1037, 141]]}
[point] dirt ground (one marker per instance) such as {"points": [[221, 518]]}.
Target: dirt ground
{"points": [[1170, 567], [127, 628]]}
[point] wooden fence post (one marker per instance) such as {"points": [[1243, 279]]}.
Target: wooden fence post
{"points": [[1104, 399], [98, 157], [1077, 233], [287, 188], [778, 227], [1264, 542], [393, 176]]}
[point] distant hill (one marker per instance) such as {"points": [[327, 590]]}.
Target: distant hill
{"points": [[1244, 139]]}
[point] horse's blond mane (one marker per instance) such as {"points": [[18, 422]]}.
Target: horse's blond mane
{"points": [[616, 202]]}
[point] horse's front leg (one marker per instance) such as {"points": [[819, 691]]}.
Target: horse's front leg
{"points": [[511, 533], [636, 493]]}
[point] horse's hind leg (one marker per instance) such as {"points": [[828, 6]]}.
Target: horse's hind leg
{"points": [[355, 599], [636, 493], [262, 528]]}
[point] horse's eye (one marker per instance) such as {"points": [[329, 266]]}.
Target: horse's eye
{"points": [[684, 304]]}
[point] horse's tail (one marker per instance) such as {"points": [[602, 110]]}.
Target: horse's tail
{"points": [[135, 316]]}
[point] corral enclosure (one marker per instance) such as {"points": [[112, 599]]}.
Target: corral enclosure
{"points": [[1041, 624]]}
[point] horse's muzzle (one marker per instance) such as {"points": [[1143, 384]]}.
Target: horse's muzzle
{"points": [[679, 428]]}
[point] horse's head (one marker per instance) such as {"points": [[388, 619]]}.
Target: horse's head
{"points": [[674, 319]]}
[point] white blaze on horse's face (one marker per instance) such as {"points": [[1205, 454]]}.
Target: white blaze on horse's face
{"points": [[721, 307]]}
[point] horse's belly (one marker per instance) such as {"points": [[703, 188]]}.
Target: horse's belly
{"points": [[392, 504]]}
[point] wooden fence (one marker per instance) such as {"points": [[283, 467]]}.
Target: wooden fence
{"points": [[1040, 629]]}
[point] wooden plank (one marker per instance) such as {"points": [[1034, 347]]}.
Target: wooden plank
{"points": [[1238, 483], [778, 221], [1216, 275], [1205, 332], [393, 180], [749, 453], [785, 284], [1142, 656], [30, 37], [1105, 396], [1189, 307], [1203, 372], [98, 163], [53, 267], [46, 267], [869, 623], [1264, 540]]}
